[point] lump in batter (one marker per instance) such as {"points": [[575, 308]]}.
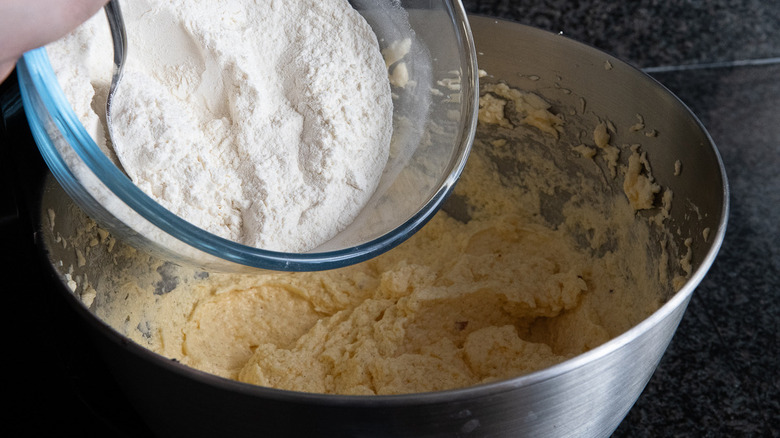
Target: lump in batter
{"points": [[639, 186]]}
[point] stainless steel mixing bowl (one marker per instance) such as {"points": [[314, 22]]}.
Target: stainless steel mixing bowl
{"points": [[587, 395]]}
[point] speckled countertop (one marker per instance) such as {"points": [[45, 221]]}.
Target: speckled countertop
{"points": [[719, 377]]}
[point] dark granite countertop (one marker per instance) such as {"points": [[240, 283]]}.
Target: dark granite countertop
{"points": [[719, 376]]}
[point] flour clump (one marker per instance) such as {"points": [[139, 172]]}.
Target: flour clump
{"points": [[267, 123]]}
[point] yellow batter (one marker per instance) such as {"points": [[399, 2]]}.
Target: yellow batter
{"points": [[504, 287]]}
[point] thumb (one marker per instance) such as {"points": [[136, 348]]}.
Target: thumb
{"points": [[27, 24]]}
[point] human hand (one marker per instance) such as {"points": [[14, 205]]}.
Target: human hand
{"points": [[27, 24]]}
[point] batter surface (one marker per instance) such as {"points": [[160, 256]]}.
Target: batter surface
{"points": [[530, 263], [533, 260]]}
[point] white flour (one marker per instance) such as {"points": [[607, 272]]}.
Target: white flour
{"points": [[268, 124]]}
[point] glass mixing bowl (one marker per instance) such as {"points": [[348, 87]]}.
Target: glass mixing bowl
{"points": [[434, 122]]}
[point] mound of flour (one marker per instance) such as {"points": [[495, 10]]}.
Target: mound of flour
{"points": [[268, 124]]}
